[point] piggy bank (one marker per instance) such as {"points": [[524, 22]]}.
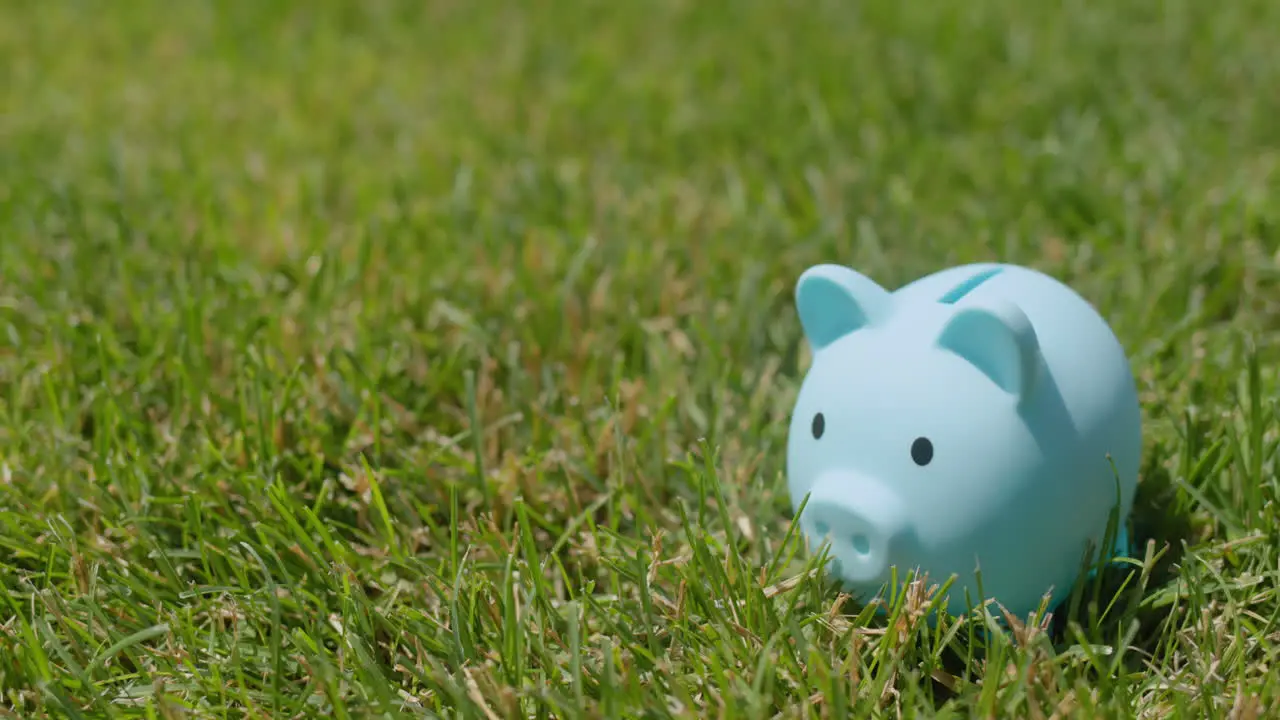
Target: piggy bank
{"points": [[979, 424]]}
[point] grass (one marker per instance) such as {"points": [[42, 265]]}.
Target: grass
{"points": [[402, 359]]}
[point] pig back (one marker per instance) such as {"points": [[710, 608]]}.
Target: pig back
{"points": [[1085, 407], [1085, 361]]}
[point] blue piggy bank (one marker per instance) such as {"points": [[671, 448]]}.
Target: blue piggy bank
{"points": [[979, 423]]}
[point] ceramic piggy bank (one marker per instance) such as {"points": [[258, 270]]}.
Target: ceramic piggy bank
{"points": [[979, 423]]}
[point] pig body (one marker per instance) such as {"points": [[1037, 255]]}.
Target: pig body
{"points": [[981, 422]]}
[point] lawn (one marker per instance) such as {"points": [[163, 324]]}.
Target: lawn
{"points": [[435, 359]]}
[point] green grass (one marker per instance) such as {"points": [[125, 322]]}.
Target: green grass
{"points": [[404, 359]]}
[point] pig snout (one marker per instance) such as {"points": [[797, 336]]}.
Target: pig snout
{"points": [[864, 522]]}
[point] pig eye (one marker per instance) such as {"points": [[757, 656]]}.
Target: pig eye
{"points": [[922, 451], [819, 425]]}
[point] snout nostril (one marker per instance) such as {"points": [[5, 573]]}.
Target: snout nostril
{"points": [[822, 528], [861, 544]]}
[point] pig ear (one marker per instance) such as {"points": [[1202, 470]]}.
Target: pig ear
{"points": [[999, 340], [834, 300]]}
